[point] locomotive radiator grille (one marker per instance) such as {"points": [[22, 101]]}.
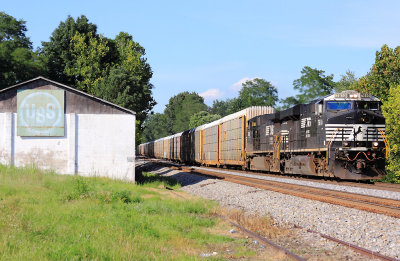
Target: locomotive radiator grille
{"points": [[351, 132]]}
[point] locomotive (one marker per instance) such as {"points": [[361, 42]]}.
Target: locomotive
{"points": [[341, 135]]}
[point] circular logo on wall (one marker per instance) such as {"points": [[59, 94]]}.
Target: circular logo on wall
{"points": [[40, 113]]}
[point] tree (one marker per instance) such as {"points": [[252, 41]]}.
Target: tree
{"points": [[383, 81], [202, 117], [57, 52], [288, 102], [311, 85], [346, 82], [123, 88], [111, 69], [155, 127], [256, 92], [391, 110], [18, 62], [86, 66], [180, 108], [384, 74], [219, 107]]}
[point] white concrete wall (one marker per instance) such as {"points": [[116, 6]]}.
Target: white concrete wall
{"points": [[93, 145]]}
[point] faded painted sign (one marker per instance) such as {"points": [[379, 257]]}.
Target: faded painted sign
{"points": [[40, 113]]}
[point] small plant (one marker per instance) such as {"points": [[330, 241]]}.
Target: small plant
{"points": [[125, 197], [80, 189]]}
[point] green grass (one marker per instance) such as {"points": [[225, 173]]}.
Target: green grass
{"points": [[49, 216]]}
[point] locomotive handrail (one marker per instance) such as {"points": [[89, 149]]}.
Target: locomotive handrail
{"points": [[328, 146], [276, 147], [385, 140]]}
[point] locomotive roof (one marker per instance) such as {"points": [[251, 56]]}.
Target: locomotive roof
{"points": [[350, 95]]}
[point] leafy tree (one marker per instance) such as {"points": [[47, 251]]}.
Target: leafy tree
{"points": [[256, 92], [384, 74], [288, 102], [346, 82], [87, 52], [202, 117], [180, 108], [383, 81], [18, 62], [219, 107], [311, 85], [57, 52], [155, 127], [112, 69], [123, 88], [13, 31], [391, 110]]}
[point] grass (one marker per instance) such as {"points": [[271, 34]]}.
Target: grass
{"points": [[48, 216]]}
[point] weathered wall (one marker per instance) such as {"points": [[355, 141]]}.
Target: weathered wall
{"points": [[106, 144], [93, 144]]}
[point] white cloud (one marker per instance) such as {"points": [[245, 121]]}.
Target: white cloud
{"points": [[238, 85], [212, 94]]}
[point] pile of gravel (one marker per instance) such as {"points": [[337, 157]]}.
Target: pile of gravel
{"points": [[372, 231]]}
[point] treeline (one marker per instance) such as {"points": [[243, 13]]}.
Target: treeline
{"points": [[78, 56], [187, 110]]}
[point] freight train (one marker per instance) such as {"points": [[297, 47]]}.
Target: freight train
{"points": [[339, 136]]}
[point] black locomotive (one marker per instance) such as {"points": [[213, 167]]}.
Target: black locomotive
{"points": [[341, 135]]}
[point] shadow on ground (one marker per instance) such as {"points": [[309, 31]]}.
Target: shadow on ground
{"points": [[163, 175]]}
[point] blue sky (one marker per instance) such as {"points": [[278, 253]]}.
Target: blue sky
{"points": [[211, 47]]}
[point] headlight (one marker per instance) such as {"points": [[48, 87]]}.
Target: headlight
{"points": [[375, 144], [345, 144]]}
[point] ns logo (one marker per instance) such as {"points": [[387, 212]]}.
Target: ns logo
{"points": [[40, 113]]}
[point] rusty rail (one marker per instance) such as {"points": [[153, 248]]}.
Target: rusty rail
{"points": [[289, 254], [361, 250]]}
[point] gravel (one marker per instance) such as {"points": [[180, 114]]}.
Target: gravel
{"points": [[357, 190], [372, 231]]}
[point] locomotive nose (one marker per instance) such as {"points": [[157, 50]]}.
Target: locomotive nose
{"points": [[365, 117]]}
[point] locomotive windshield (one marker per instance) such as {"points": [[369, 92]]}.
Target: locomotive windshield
{"points": [[338, 105], [367, 105]]}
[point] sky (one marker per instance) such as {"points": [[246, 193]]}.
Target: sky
{"points": [[212, 47]]}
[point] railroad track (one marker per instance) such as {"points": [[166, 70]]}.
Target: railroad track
{"points": [[368, 203], [361, 184], [385, 206], [389, 207]]}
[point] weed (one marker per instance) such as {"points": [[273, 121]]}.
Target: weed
{"points": [[80, 189], [125, 197]]}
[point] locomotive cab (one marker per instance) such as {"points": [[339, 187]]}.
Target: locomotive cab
{"points": [[355, 134]]}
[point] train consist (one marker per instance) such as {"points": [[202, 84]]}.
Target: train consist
{"points": [[341, 135]]}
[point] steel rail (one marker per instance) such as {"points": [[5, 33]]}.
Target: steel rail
{"points": [[352, 200], [268, 242], [361, 250], [305, 193], [372, 199]]}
